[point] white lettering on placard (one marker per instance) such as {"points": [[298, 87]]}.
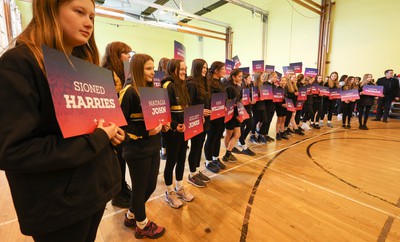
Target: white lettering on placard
{"points": [[158, 110], [156, 102], [85, 87], [77, 102], [194, 123], [217, 108]]}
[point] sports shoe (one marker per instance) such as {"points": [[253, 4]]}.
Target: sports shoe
{"points": [[339, 117], [185, 196], [365, 127], [305, 126], [299, 132], [289, 131], [316, 126], [130, 223], [212, 167], [230, 158], [348, 126], [203, 177], [330, 125], [236, 150], [248, 152], [299, 128], [343, 126], [278, 136], [284, 136], [195, 181], [172, 199], [253, 139], [269, 139], [262, 139], [151, 230], [219, 164]]}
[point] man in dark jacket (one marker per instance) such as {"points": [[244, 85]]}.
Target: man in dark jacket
{"points": [[390, 92]]}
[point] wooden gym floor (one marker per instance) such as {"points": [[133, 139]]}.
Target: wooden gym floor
{"points": [[332, 184]]}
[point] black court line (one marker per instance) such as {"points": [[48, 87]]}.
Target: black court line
{"points": [[387, 226]]}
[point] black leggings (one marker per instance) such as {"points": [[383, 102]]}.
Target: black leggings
{"points": [[259, 116], [361, 112], [347, 110], [328, 107], [214, 135], [196, 146], [84, 230], [246, 127], [176, 155], [317, 109], [308, 113], [144, 173], [122, 165], [265, 126]]}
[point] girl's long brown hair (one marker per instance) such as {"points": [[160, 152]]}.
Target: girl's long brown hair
{"points": [[215, 66], [45, 29], [137, 71], [112, 58], [201, 83], [291, 87], [334, 83], [173, 67]]}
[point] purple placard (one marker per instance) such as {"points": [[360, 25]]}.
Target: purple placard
{"points": [[245, 69], [155, 106], [229, 65], [279, 95], [193, 120], [287, 70], [255, 94], [289, 105], [218, 105], [372, 90], [314, 88], [334, 93], [308, 89], [279, 74], [299, 105], [311, 72], [297, 67], [258, 66], [269, 68], [237, 61], [158, 76], [242, 113], [230, 108], [324, 91], [302, 96], [179, 51], [246, 96], [81, 93], [349, 95], [266, 92]]}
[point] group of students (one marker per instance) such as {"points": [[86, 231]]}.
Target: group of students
{"points": [[60, 186]]}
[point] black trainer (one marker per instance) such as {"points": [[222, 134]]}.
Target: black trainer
{"points": [[236, 150], [262, 139], [248, 152], [212, 167], [299, 132], [284, 136], [269, 139], [278, 136], [253, 139], [218, 163]]}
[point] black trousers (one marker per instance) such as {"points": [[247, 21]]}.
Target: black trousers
{"points": [[308, 112], [213, 141], [176, 156], [265, 126], [84, 230], [259, 116], [246, 127], [196, 146], [347, 110], [383, 107], [122, 164], [328, 107], [361, 109], [144, 173]]}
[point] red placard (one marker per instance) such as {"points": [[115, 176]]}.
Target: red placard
{"points": [[289, 105], [349, 95], [217, 105], [279, 95], [193, 120], [81, 93], [266, 92], [334, 93], [324, 91], [155, 106], [254, 94], [230, 108], [299, 105], [302, 96], [372, 90], [242, 113], [246, 96]]}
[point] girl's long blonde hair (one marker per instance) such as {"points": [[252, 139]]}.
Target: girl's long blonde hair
{"points": [[45, 29]]}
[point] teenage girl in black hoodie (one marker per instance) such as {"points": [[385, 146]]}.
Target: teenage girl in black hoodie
{"points": [[175, 83], [142, 151], [365, 102]]}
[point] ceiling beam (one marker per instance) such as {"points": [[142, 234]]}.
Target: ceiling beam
{"points": [[309, 7]]}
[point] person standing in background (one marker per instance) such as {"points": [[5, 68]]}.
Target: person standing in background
{"points": [[365, 103], [59, 186], [390, 92], [116, 54]]}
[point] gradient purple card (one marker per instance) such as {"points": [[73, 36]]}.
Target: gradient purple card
{"points": [[334, 93], [158, 76], [155, 106], [372, 90], [179, 51], [193, 120], [246, 96], [255, 94], [217, 105], [349, 95], [258, 66], [242, 113], [289, 105], [266, 92], [297, 67], [82, 93], [279, 95], [302, 96], [230, 108], [269, 68]]}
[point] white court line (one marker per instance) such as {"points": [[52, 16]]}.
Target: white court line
{"points": [[338, 194]]}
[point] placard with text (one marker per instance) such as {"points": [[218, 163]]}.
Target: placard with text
{"points": [[324, 91], [237, 62], [334, 93], [158, 76], [81, 93], [311, 72], [230, 108], [155, 106], [279, 95], [269, 68], [266, 92], [258, 66], [229, 66], [289, 105], [297, 67], [179, 51], [302, 96], [299, 105], [349, 95], [372, 90], [242, 113], [255, 94], [193, 120], [217, 105], [246, 96]]}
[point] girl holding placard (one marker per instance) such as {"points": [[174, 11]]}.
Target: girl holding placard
{"points": [[142, 151], [365, 102], [348, 105], [328, 104]]}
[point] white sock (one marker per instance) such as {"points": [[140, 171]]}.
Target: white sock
{"points": [[142, 224], [197, 170], [329, 121], [192, 174], [208, 162], [244, 147], [170, 188], [163, 151], [178, 185], [130, 215], [215, 157]]}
